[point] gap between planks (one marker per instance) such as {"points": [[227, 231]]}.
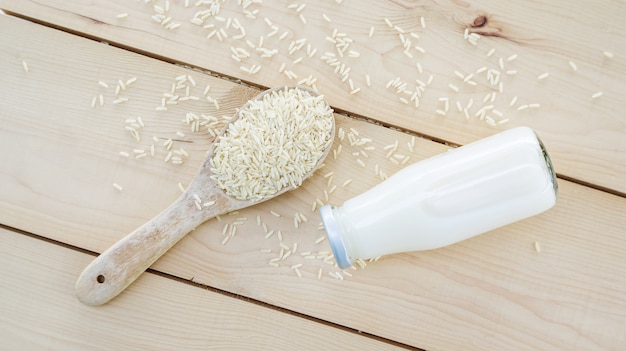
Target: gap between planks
{"points": [[220, 291], [261, 87]]}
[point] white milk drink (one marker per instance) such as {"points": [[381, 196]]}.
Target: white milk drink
{"points": [[445, 199]]}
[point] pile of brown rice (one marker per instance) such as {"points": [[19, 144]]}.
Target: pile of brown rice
{"points": [[276, 141]]}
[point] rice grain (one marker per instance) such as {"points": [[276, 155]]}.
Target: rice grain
{"points": [[597, 95], [543, 76]]}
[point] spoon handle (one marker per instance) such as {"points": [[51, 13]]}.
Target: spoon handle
{"points": [[117, 267]]}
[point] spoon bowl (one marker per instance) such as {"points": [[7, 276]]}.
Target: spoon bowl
{"points": [[117, 267]]}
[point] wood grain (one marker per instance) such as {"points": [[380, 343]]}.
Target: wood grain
{"points": [[40, 313], [492, 292], [584, 135]]}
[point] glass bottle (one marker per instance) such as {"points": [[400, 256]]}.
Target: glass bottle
{"points": [[442, 200]]}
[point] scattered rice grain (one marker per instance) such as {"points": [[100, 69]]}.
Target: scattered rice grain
{"points": [[332, 190], [225, 240], [269, 234], [459, 106], [120, 100], [361, 263], [303, 218], [543, 76]]}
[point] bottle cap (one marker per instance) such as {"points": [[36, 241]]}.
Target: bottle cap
{"points": [[334, 237]]}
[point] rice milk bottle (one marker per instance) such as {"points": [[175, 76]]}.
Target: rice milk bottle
{"points": [[445, 199]]}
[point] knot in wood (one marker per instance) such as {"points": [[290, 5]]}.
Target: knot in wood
{"points": [[479, 21]]}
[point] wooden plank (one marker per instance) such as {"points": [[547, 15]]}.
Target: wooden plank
{"points": [[584, 135], [39, 312], [491, 292]]}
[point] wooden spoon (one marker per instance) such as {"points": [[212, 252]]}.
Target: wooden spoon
{"points": [[116, 268]]}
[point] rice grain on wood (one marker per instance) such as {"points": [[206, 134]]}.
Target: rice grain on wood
{"points": [[273, 144]]}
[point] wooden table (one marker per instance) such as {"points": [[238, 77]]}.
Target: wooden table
{"points": [[77, 75]]}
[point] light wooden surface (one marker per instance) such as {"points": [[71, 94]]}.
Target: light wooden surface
{"points": [[61, 156], [585, 135], [188, 318]]}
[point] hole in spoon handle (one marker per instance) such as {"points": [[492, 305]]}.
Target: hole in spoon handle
{"points": [[117, 267]]}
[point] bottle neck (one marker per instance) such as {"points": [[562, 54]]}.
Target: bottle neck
{"points": [[337, 235]]}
